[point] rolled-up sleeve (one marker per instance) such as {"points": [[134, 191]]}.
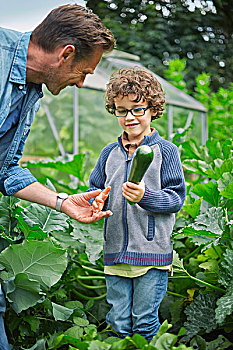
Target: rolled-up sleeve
{"points": [[17, 180]]}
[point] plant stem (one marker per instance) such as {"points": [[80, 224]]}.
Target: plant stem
{"points": [[176, 294], [91, 278], [206, 283], [193, 253], [91, 287], [92, 270], [89, 298]]}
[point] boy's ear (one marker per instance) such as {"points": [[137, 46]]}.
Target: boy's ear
{"points": [[67, 52], [153, 114]]}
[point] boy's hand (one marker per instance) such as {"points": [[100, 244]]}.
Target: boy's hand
{"points": [[98, 203], [133, 192]]}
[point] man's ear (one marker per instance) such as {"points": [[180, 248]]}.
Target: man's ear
{"points": [[67, 52]]}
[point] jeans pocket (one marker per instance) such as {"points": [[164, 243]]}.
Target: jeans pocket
{"points": [[151, 228]]}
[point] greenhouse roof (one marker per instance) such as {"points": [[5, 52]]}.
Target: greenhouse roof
{"points": [[118, 59]]}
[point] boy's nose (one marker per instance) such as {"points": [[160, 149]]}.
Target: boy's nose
{"points": [[129, 115]]}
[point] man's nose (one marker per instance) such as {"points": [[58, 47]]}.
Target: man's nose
{"points": [[80, 83]]}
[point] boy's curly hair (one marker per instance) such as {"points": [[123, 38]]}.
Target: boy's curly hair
{"points": [[136, 81]]}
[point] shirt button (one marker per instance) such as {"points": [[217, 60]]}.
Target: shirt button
{"points": [[9, 104], [20, 87]]}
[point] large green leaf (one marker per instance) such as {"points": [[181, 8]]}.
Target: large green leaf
{"points": [[47, 218], [32, 231], [207, 227], [7, 204], [41, 261], [225, 185], [199, 167], [177, 262], [214, 147], [193, 209], [92, 236], [200, 315], [191, 150], [212, 220], [70, 165], [209, 192], [225, 306], [224, 167], [228, 191], [61, 313], [21, 292], [226, 272]]}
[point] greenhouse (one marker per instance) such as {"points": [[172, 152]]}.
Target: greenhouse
{"points": [[86, 106]]}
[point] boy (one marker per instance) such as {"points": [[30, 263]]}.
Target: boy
{"points": [[137, 247]]}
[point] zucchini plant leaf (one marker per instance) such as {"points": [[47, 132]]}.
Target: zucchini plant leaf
{"points": [[69, 165], [199, 167], [214, 147], [61, 313], [191, 149], [92, 236], [176, 261], [7, 205], [224, 182], [225, 305], [226, 272], [209, 192], [41, 261], [200, 315], [207, 227], [32, 231], [22, 292], [47, 218], [75, 332], [228, 191], [193, 209], [224, 167]]}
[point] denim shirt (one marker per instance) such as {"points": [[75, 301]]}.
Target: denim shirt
{"points": [[13, 62]]}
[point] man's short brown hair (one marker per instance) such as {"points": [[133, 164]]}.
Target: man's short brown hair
{"points": [[75, 25], [136, 81]]}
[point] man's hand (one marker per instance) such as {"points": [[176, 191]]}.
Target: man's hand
{"points": [[98, 203], [133, 192], [78, 207]]}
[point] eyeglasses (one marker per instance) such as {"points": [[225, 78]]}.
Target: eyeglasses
{"points": [[136, 112]]}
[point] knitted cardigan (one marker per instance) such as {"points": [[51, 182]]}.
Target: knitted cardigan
{"points": [[140, 234]]}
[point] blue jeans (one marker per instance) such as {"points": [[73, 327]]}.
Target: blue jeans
{"points": [[3, 339], [134, 303]]}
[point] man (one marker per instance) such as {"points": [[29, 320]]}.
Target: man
{"points": [[60, 52]]}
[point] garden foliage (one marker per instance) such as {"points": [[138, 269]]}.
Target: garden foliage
{"points": [[51, 267]]}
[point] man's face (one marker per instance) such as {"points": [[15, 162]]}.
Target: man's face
{"points": [[72, 73]]}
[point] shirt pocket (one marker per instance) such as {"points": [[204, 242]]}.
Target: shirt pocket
{"points": [[151, 228], [105, 228]]}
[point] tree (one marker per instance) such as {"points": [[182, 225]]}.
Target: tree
{"points": [[161, 30]]}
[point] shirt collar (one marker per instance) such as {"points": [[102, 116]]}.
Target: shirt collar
{"points": [[131, 147], [19, 65], [127, 145]]}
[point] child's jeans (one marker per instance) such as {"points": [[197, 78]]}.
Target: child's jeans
{"points": [[134, 303], [3, 339]]}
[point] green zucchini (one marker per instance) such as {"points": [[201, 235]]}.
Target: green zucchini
{"points": [[142, 158]]}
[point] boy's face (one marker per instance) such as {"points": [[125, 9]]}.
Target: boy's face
{"points": [[136, 127]]}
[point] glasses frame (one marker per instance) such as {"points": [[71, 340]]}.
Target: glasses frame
{"points": [[131, 111]]}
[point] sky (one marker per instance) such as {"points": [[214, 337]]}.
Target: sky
{"points": [[25, 15]]}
